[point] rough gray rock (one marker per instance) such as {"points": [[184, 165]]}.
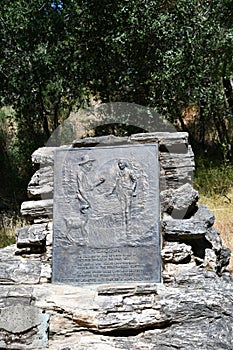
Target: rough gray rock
{"points": [[222, 253], [173, 160], [198, 233], [20, 294], [100, 140], [203, 214], [176, 141], [186, 229], [183, 230], [44, 156], [39, 211], [41, 184], [166, 140], [175, 155], [33, 236], [18, 270], [176, 253], [193, 312], [27, 321], [179, 203], [23, 268]]}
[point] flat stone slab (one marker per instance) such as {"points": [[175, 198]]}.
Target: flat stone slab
{"points": [[18, 270], [37, 209], [180, 203], [106, 215], [23, 327], [34, 235], [41, 183], [193, 228], [142, 316]]}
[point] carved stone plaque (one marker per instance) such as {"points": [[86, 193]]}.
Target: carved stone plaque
{"points": [[106, 215]]}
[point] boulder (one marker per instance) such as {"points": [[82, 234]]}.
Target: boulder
{"points": [[179, 203], [195, 227], [43, 156], [166, 140], [107, 140], [183, 230]]}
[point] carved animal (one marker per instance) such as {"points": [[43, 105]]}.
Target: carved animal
{"points": [[75, 228]]}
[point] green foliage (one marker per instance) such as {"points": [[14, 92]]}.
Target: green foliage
{"points": [[5, 143], [170, 55]]}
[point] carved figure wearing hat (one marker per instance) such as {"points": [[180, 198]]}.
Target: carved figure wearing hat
{"points": [[84, 183]]}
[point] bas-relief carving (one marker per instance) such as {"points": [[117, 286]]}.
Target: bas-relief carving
{"points": [[125, 188], [104, 199]]}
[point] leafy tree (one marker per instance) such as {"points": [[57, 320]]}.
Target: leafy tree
{"points": [[166, 54], [170, 55]]}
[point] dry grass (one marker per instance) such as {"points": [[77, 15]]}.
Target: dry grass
{"points": [[9, 223], [222, 207]]}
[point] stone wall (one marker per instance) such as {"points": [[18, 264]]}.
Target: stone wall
{"points": [[191, 309]]}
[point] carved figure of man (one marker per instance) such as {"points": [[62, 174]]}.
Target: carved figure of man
{"points": [[125, 189], [84, 183], [85, 186]]}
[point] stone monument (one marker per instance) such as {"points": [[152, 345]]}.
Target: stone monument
{"points": [[53, 282]]}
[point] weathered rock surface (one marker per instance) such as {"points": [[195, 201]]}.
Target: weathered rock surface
{"points": [[166, 140], [44, 156], [193, 228], [39, 211], [20, 294], [203, 214], [175, 155], [18, 270], [175, 253], [33, 236], [181, 230], [28, 321], [100, 140], [194, 312], [222, 253], [179, 203], [41, 184]]}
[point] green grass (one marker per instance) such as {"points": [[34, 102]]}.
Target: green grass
{"points": [[213, 180]]}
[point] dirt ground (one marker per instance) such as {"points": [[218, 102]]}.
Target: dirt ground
{"points": [[222, 207]]}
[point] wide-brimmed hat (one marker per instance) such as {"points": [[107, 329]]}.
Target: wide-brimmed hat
{"points": [[85, 159]]}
